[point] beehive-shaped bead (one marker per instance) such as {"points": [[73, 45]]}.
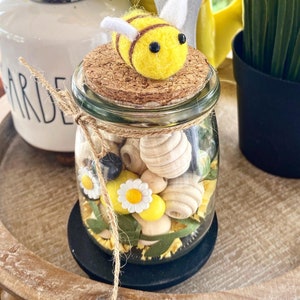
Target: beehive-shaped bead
{"points": [[183, 195], [167, 155]]}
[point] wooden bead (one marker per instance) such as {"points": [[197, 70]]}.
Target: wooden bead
{"points": [[167, 155], [130, 155], [156, 183]]}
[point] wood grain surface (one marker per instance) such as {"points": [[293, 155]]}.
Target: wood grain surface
{"points": [[256, 256]]}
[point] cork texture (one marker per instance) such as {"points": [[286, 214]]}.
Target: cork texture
{"points": [[109, 76]]}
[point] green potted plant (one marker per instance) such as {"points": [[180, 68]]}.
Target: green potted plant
{"points": [[266, 64]]}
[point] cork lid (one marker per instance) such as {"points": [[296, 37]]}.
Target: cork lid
{"points": [[107, 75]]}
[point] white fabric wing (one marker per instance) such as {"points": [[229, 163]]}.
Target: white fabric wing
{"points": [[175, 12], [120, 26]]}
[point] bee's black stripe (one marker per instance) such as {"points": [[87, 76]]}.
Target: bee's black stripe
{"points": [[117, 44], [129, 21], [137, 17], [141, 33]]}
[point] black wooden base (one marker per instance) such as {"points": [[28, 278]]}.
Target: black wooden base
{"points": [[98, 264]]}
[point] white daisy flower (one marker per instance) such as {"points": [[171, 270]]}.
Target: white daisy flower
{"points": [[89, 183], [134, 195]]}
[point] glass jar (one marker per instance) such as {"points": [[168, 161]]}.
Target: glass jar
{"points": [[161, 185], [52, 36]]}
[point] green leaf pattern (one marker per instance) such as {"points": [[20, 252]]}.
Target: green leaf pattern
{"points": [[130, 231]]}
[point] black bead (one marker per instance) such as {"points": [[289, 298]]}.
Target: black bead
{"points": [[181, 38], [154, 47], [111, 166]]}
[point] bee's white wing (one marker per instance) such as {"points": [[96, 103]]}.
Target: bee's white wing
{"points": [[175, 12], [120, 26]]}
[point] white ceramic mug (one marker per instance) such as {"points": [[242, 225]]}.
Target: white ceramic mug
{"points": [[53, 38]]}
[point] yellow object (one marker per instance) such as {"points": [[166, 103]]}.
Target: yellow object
{"points": [[215, 30], [134, 196], [112, 189], [209, 187], [157, 52], [87, 182], [156, 209]]}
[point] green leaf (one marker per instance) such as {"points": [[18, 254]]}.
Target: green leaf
{"points": [[247, 31], [129, 237], [95, 209], [258, 31], [213, 174], [283, 35], [97, 226], [270, 39], [159, 248], [129, 229], [247, 46], [292, 64], [270, 34], [165, 240], [294, 68]]}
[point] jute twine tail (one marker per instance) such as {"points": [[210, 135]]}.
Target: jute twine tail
{"points": [[66, 103]]}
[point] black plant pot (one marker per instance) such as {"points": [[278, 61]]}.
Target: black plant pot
{"points": [[268, 116]]}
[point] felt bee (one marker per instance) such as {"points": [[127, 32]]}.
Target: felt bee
{"points": [[151, 45]]}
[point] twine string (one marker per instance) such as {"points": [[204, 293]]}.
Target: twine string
{"points": [[91, 125], [66, 103]]}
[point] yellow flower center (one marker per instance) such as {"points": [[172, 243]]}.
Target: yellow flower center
{"points": [[134, 196], [87, 182]]}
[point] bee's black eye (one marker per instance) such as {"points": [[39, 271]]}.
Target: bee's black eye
{"points": [[154, 47], [181, 38]]}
